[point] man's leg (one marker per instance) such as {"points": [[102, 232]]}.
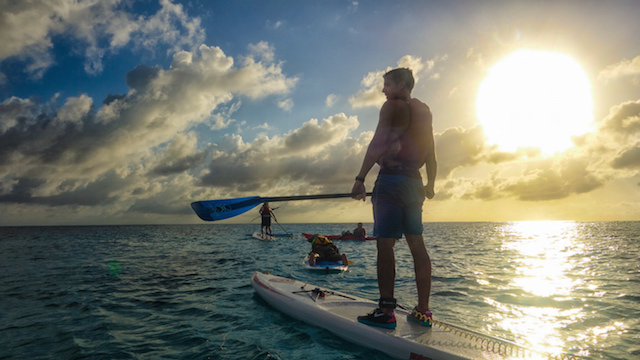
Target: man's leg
{"points": [[422, 267], [386, 269]]}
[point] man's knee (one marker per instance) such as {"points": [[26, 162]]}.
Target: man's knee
{"points": [[385, 244]]}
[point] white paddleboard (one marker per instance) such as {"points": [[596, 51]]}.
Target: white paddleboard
{"points": [[264, 237], [337, 312], [325, 266]]}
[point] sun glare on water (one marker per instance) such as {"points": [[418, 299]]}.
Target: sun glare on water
{"points": [[535, 99]]}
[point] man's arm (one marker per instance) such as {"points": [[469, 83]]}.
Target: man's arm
{"points": [[431, 167]]}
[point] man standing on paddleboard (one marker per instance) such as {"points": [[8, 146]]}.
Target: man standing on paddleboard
{"points": [[403, 142], [266, 213]]}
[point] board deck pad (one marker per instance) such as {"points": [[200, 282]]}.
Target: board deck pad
{"points": [[337, 312]]}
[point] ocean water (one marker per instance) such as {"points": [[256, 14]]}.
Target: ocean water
{"points": [[183, 292]]}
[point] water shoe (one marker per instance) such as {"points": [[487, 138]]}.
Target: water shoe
{"points": [[379, 318], [424, 318]]}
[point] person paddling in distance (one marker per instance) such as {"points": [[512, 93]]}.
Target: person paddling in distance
{"points": [[403, 142], [266, 212]]}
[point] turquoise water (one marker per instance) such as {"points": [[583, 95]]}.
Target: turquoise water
{"points": [[183, 292]]}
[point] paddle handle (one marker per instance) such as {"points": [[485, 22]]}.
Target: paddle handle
{"points": [[308, 197]]}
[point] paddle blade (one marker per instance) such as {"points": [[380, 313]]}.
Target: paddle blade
{"points": [[212, 210]]}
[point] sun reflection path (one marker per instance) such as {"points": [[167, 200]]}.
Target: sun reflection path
{"points": [[542, 259], [546, 249]]}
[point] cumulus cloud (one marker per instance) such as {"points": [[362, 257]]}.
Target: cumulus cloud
{"points": [[550, 180], [623, 120], [28, 28], [60, 154], [611, 152], [318, 154], [371, 92], [458, 147], [624, 68]]}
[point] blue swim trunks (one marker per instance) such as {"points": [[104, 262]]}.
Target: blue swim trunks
{"points": [[397, 206]]}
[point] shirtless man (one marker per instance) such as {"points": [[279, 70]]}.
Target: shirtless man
{"points": [[266, 213], [402, 144]]}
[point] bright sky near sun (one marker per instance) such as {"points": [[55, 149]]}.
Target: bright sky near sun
{"points": [[124, 112]]}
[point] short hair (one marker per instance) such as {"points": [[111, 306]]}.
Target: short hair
{"points": [[404, 75]]}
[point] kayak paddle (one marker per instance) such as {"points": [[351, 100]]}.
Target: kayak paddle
{"points": [[212, 210]]}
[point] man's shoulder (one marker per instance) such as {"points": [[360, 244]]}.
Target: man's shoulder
{"points": [[394, 103]]}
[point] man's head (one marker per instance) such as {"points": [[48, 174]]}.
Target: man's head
{"points": [[401, 76]]}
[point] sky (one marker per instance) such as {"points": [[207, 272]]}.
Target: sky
{"points": [[124, 112]]}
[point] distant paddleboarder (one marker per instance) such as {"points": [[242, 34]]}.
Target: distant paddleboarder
{"points": [[266, 212]]}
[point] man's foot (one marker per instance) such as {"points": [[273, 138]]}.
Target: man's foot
{"points": [[379, 318], [424, 318]]}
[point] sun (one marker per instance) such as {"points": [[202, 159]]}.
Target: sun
{"points": [[535, 99]]}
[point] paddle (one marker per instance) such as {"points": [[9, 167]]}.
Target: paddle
{"points": [[285, 230], [212, 210]]}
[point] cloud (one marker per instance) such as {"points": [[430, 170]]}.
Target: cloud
{"points": [[136, 143], [331, 100], [286, 105], [623, 120], [553, 180], [274, 24], [262, 50], [628, 158], [180, 155], [622, 69], [315, 156], [458, 147], [372, 83], [29, 29]]}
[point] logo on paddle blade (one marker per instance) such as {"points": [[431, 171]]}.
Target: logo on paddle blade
{"points": [[220, 209]]}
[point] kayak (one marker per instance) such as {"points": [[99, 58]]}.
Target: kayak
{"points": [[337, 312], [264, 237], [340, 237], [325, 266]]}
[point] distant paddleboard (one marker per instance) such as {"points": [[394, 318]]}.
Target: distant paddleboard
{"points": [[276, 235], [264, 237]]}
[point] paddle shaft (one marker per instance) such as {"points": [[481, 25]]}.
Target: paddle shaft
{"points": [[212, 210], [307, 197]]}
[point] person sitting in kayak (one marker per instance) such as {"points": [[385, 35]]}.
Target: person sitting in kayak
{"points": [[358, 233], [322, 249]]}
